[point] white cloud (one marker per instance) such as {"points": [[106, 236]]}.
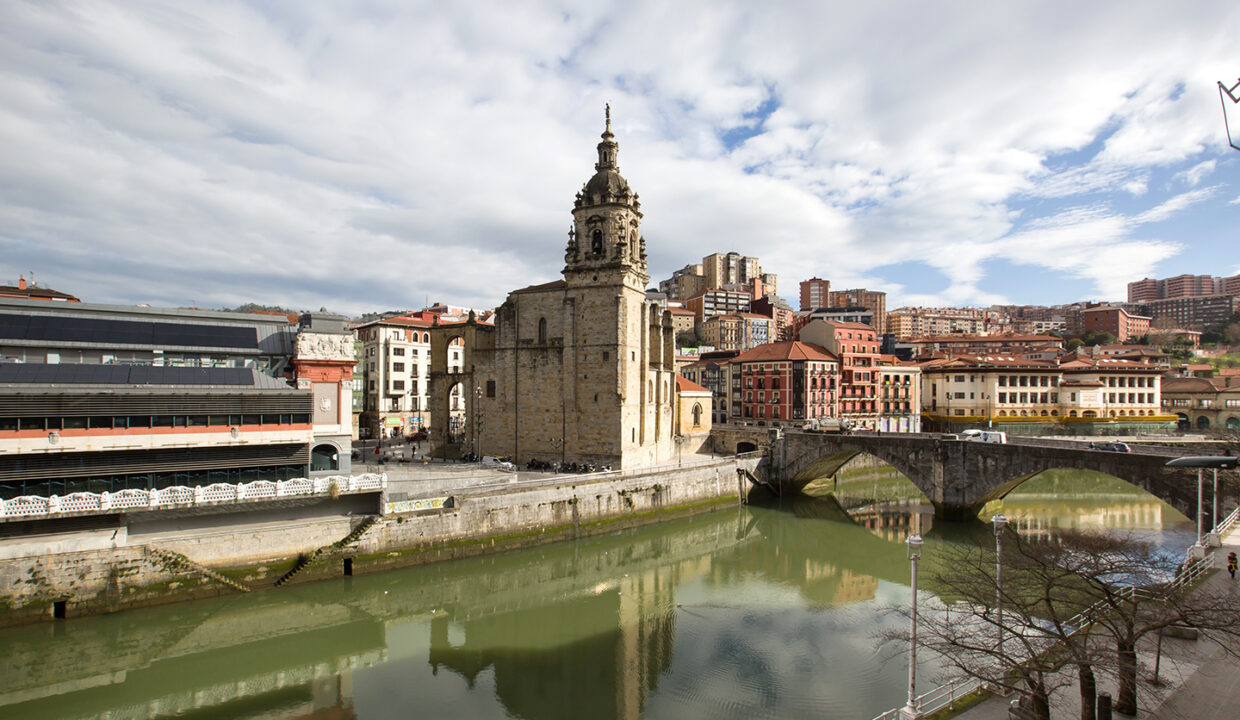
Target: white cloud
{"points": [[361, 158], [1194, 175]]}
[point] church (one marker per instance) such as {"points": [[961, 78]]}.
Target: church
{"points": [[582, 369]]}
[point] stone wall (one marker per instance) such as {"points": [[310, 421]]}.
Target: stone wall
{"points": [[102, 574]]}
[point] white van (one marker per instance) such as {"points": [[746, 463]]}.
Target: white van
{"points": [[990, 436], [496, 462]]}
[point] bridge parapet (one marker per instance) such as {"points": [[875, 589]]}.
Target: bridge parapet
{"points": [[959, 476]]}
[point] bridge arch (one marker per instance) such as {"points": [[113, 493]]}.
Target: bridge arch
{"points": [[958, 476]]}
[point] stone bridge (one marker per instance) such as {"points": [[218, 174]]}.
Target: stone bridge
{"points": [[959, 476]]}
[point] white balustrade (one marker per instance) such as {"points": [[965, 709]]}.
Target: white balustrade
{"points": [[88, 502]]}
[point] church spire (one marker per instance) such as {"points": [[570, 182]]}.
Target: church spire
{"points": [[608, 149]]}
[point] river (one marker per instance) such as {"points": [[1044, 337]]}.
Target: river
{"points": [[751, 612]]}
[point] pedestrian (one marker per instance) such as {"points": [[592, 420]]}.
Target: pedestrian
{"points": [[1231, 564]]}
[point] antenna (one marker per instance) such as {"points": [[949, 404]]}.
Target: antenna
{"points": [[1235, 98]]}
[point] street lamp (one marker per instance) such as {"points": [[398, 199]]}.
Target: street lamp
{"points": [[999, 523], [1205, 461], [909, 711]]}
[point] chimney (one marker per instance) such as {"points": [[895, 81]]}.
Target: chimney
{"points": [[21, 283]]}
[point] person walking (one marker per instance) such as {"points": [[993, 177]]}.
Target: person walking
{"points": [[1231, 564]]}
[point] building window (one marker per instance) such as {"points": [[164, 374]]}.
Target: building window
{"points": [[697, 415], [398, 367], [542, 331], [491, 388], [398, 351]]}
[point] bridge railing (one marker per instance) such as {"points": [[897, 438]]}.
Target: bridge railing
{"points": [[180, 496]]}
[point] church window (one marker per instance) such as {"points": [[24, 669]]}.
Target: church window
{"points": [[606, 355], [490, 388], [596, 242], [596, 397], [697, 415], [542, 330]]}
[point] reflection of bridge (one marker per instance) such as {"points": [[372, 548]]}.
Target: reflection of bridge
{"points": [[959, 476]]}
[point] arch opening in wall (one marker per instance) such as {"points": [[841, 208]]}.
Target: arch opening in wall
{"points": [[745, 447], [324, 457], [542, 331], [1233, 423], [596, 242], [697, 415], [1203, 421]]}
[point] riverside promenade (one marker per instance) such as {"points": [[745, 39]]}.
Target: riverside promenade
{"points": [[1202, 681]]}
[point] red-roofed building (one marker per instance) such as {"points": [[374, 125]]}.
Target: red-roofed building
{"points": [[34, 292], [953, 345], [856, 346], [786, 382], [693, 411]]}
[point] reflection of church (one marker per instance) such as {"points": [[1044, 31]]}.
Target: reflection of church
{"points": [[583, 368], [594, 657]]}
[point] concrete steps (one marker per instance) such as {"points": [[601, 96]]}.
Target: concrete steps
{"points": [[329, 551], [175, 562]]}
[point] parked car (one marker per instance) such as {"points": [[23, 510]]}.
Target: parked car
{"points": [[1110, 446], [418, 436]]}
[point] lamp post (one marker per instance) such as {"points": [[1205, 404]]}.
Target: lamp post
{"points": [[999, 523], [909, 711], [1214, 517], [1200, 492], [1197, 551]]}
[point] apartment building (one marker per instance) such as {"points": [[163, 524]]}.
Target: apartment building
{"points": [[716, 301], [784, 383], [396, 358], [1115, 320], [856, 347], [953, 345], [899, 387], [815, 293], [1000, 389], [872, 300], [1198, 312]]}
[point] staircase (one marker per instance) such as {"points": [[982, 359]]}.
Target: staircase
{"points": [[329, 551], [177, 563]]}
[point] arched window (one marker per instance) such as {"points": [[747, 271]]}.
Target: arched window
{"points": [[633, 244], [697, 415], [542, 331], [1203, 422], [324, 457], [426, 338], [596, 242], [1233, 423]]}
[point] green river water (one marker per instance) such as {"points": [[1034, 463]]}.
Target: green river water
{"points": [[752, 612]]}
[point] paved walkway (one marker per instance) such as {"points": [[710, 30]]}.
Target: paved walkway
{"points": [[1202, 679]]}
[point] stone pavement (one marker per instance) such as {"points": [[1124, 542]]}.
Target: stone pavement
{"points": [[1202, 681]]}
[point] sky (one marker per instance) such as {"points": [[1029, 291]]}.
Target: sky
{"points": [[379, 155]]}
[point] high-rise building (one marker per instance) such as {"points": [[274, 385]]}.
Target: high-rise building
{"points": [[860, 297], [814, 293], [730, 268], [1181, 286]]}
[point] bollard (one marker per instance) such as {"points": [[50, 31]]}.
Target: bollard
{"points": [[1104, 706]]}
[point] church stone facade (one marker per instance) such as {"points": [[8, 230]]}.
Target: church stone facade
{"points": [[583, 369]]}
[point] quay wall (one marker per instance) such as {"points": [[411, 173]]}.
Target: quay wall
{"points": [[100, 571]]}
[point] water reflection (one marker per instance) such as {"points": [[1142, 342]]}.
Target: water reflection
{"points": [[765, 612]]}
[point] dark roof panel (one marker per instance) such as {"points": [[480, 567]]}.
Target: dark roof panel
{"points": [[125, 332], [70, 374]]}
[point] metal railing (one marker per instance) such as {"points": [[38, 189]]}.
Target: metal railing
{"points": [[179, 496]]}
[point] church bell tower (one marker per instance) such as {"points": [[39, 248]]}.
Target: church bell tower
{"points": [[605, 244]]}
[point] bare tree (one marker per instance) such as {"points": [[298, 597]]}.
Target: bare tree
{"points": [[1080, 600]]}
